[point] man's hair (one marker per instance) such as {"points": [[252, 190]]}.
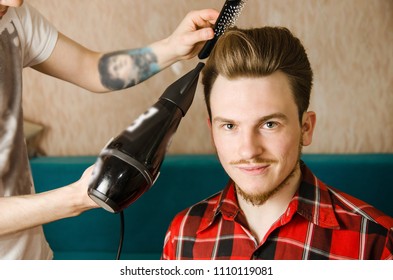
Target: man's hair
{"points": [[259, 52]]}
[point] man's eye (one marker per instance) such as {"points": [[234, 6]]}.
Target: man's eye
{"points": [[270, 125], [228, 126]]}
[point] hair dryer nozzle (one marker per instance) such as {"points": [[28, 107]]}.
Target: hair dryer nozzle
{"points": [[182, 92]]}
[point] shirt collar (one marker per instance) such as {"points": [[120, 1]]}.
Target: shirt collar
{"points": [[312, 201], [225, 204]]}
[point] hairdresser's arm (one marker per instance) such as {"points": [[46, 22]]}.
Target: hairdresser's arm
{"points": [[22, 212], [102, 72]]}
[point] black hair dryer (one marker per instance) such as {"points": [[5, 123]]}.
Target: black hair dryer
{"points": [[130, 163]]}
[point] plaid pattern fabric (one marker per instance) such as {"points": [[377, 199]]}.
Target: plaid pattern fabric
{"points": [[320, 223]]}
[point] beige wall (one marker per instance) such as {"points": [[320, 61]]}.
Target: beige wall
{"points": [[349, 43]]}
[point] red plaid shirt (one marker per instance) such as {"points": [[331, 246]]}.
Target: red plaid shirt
{"points": [[320, 223]]}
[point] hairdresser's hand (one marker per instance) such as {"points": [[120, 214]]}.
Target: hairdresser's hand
{"points": [[80, 188], [188, 38], [26, 211]]}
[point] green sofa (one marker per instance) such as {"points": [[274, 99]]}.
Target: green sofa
{"points": [[184, 180]]}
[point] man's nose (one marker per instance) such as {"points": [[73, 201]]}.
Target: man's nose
{"points": [[250, 145]]}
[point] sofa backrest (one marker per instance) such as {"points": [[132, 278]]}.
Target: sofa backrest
{"points": [[185, 180]]}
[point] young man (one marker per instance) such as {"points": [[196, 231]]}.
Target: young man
{"points": [[28, 39], [257, 86]]}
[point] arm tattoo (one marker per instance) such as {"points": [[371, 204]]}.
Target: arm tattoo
{"points": [[123, 69]]}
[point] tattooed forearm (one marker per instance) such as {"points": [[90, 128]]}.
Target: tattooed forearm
{"points": [[124, 69]]}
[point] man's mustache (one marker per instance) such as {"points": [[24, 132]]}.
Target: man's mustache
{"points": [[256, 160]]}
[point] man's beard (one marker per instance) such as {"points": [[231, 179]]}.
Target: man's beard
{"points": [[261, 198]]}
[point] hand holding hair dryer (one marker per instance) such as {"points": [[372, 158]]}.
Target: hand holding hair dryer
{"points": [[130, 163]]}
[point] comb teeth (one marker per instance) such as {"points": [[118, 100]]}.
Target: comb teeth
{"points": [[227, 18], [230, 14]]}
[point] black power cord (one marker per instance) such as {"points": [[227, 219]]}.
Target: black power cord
{"points": [[121, 236]]}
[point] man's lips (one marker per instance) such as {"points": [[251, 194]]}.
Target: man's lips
{"points": [[253, 169]]}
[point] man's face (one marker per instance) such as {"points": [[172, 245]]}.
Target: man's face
{"points": [[4, 4], [256, 131]]}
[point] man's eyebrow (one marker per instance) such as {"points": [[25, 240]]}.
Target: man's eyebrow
{"points": [[280, 116], [222, 120]]}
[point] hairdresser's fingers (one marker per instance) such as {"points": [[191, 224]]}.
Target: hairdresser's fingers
{"points": [[195, 28], [199, 35], [203, 18], [82, 201], [196, 20], [86, 176]]}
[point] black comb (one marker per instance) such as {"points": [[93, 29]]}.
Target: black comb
{"points": [[227, 18]]}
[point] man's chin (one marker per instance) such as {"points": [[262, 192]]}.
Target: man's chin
{"points": [[257, 199]]}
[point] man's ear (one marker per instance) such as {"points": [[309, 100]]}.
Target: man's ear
{"points": [[308, 125], [209, 124]]}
